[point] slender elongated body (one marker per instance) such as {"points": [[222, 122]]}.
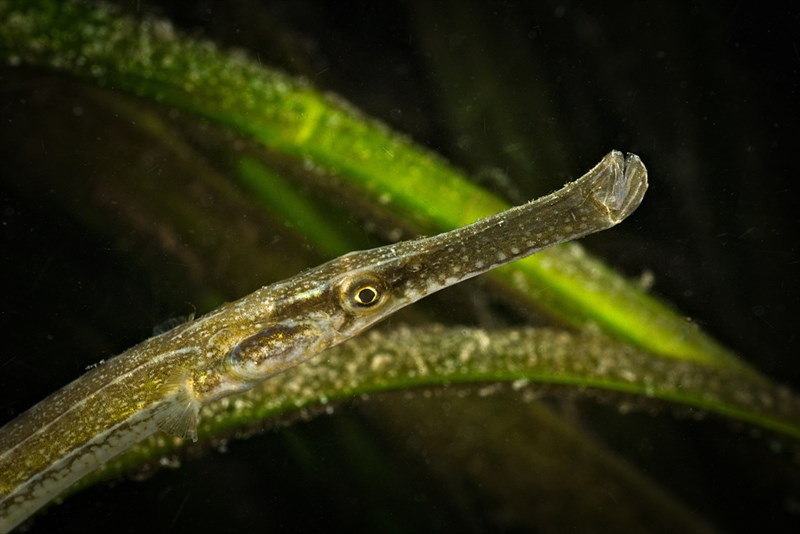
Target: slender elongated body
{"points": [[162, 382]]}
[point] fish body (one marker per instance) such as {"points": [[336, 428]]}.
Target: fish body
{"points": [[161, 383]]}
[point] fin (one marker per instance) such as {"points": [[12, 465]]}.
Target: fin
{"points": [[181, 411], [171, 323]]}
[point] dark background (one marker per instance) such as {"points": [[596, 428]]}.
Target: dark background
{"points": [[522, 97]]}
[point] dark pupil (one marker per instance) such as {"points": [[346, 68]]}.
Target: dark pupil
{"points": [[366, 296]]}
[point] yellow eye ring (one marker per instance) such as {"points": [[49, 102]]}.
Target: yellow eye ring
{"points": [[362, 294], [366, 296]]}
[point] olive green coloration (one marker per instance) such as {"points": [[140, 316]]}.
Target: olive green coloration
{"points": [[163, 382]]}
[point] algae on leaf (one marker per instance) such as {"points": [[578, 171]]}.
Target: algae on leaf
{"points": [[217, 174]]}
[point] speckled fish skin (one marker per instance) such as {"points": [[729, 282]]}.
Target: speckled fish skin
{"points": [[163, 382]]}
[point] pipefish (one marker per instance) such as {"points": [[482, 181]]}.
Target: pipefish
{"points": [[161, 383]]}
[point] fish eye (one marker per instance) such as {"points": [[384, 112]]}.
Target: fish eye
{"points": [[362, 293], [367, 295]]}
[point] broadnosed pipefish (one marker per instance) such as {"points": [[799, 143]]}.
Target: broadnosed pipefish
{"points": [[161, 383]]}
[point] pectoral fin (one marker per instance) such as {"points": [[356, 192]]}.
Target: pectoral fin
{"points": [[181, 410]]}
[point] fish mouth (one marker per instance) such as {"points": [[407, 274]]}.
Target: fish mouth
{"points": [[621, 184]]}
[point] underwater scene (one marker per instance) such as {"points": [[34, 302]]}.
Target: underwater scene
{"points": [[611, 347]]}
